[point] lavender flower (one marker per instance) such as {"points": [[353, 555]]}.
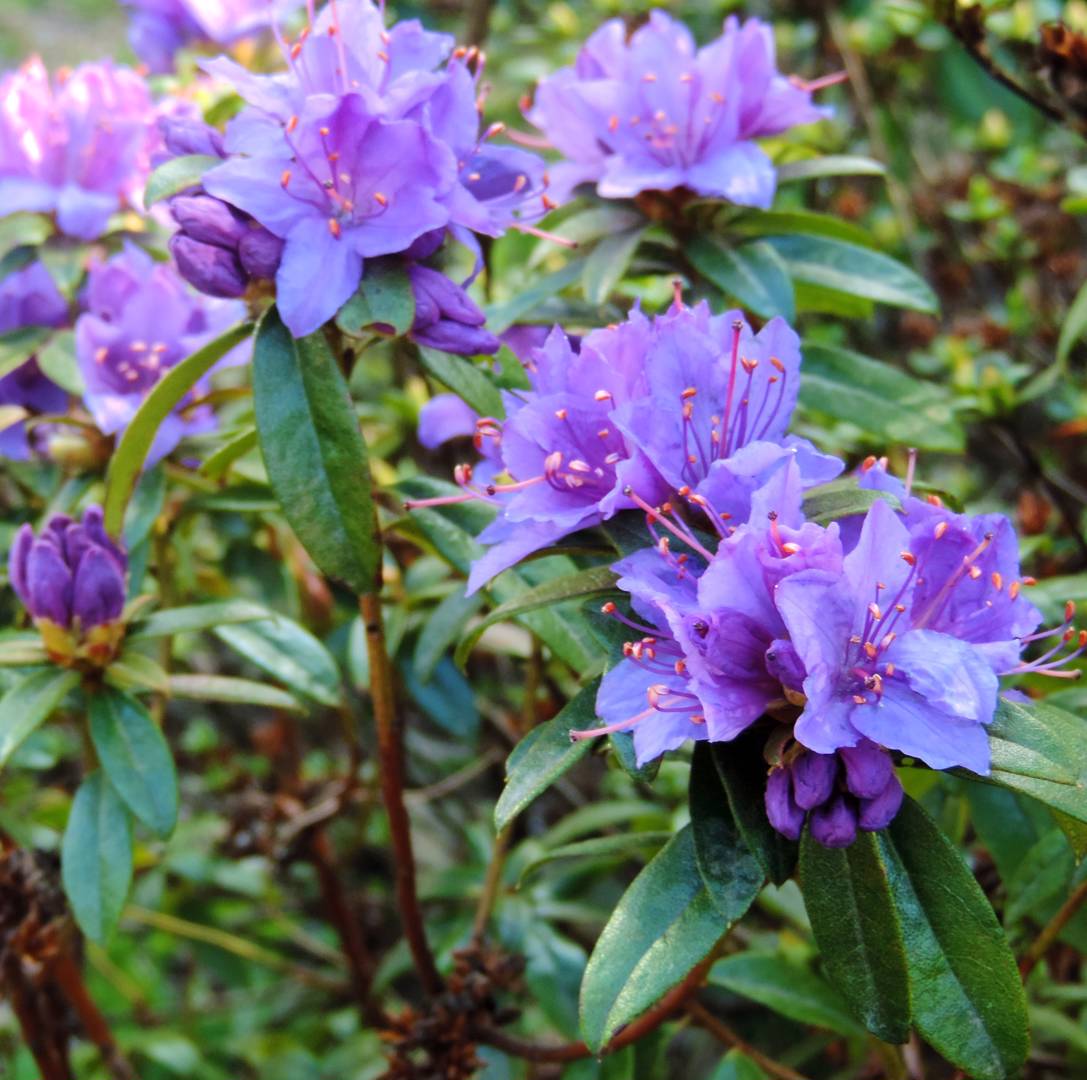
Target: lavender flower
{"points": [[140, 320], [28, 297], [656, 112], [80, 149], [71, 578], [445, 316]]}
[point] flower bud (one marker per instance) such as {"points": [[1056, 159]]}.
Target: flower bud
{"points": [[813, 779], [260, 252], [834, 824], [445, 316], [781, 807], [868, 769], [877, 813], [212, 270], [208, 220]]}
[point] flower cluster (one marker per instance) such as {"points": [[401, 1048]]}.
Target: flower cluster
{"points": [[79, 148], [369, 143], [71, 578], [654, 112], [140, 319]]}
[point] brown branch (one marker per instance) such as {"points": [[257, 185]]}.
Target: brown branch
{"points": [[390, 757], [648, 1022], [721, 1031], [492, 882], [1050, 933]]}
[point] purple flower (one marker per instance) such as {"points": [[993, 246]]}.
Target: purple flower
{"points": [[854, 788], [656, 112], [28, 297], [71, 578], [445, 316], [445, 417], [81, 149], [140, 320]]}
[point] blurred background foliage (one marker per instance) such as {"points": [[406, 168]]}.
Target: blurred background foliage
{"points": [[226, 965]]}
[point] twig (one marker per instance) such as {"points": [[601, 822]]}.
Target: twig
{"points": [[390, 756], [491, 884], [648, 1022], [720, 1030], [479, 20], [1052, 930], [455, 781]]}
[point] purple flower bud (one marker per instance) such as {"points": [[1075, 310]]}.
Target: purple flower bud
{"points": [[834, 824], [98, 594], [260, 252], [813, 779], [454, 337], [879, 812], [445, 317], [17, 557], [48, 583], [210, 269], [868, 769], [185, 135], [208, 220], [781, 807]]}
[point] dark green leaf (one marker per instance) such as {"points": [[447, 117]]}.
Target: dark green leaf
{"points": [[753, 273], [742, 769], [194, 617], [135, 757], [852, 269], [96, 858], [622, 743], [127, 461], [232, 691], [384, 296], [607, 263], [443, 626], [177, 175], [786, 988], [29, 703], [736, 1065], [545, 754], [465, 379], [1045, 873], [731, 874], [622, 846], [314, 452], [967, 998], [663, 926], [840, 499], [857, 928]]}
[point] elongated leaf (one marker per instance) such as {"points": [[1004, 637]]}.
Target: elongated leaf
{"points": [[287, 652], [22, 651], [588, 225], [384, 297], [131, 452], [622, 846], [18, 346], [1041, 751], [830, 165], [662, 927], [1074, 326], [57, 359], [314, 452], [545, 754], [608, 262], [24, 229], [592, 582], [466, 380], [786, 988], [218, 464], [135, 757], [736, 1065], [753, 273], [29, 703], [177, 175], [232, 691], [730, 872], [526, 301], [96, 857], [742, 770], [442, 627], [134, 670], [194, 617], [859, 933], [779, 222], [966, 995], [840, 499], [856, 270]]}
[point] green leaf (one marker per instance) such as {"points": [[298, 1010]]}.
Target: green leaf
{"points": [[545, 754], [663, 926], [133, 670], [1045, 872], [742, 769], [883, 401], [780, 222], [384, 296], [608, 262], [177, 175], [18, 346], [753, 273], [830, 165], [1041, 751], [218, 464], [1074, 326], [195, 617], [287, 652], [853, 917], [588, 225], [736, 1065], [622, 744], [57, 359], [786, 988], [315, 454], [442, 627], [730, 872], [22, 651], [967, 998], [96, 856], [145, 506], [504, 315], [136, 758], [852, 269], [592, 582], [29, 703], [620, 845], [128, 458], [465, 379], [232, 691], [24, 230], [842, 498]]}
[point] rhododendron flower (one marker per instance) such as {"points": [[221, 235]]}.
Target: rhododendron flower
{"points": [[28, 297], [80, 148], [141, 319], [655, 112]]}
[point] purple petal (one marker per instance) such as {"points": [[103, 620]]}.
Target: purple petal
{"points": [[48, 584], [813, 779], [878, 812], [445, 417], [98, 594], [17, 562], [868, 769], [834, 824], [781, 807]]}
